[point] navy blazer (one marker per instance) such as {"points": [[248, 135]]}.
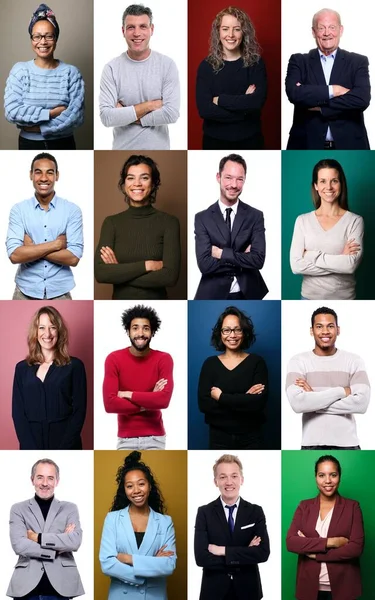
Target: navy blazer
{"points": [[343, 114], [240, 560], [217, 274], [342, 563]]}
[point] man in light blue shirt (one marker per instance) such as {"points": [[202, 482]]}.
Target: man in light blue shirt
{"points": [[45, 237]]}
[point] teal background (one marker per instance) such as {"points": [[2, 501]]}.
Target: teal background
{"points": [[357, 483], [359, 169]]}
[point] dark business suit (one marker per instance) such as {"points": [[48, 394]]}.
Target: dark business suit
{"points": [[343, 114], [217, 274], [239, 567], [342, 563]]}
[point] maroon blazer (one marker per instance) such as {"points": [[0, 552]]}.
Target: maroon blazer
{"points": [[342, 563]]}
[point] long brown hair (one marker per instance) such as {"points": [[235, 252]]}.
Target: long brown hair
{"points": [[330, 163], [250, 49], [35, 355]]}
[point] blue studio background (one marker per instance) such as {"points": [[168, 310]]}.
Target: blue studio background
{"points": [[266, 316]]}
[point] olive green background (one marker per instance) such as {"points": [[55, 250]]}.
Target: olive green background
{"points": [[359, 169], [357, 483]]}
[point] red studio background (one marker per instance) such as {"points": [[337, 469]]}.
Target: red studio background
{"points": [[266, 17]]}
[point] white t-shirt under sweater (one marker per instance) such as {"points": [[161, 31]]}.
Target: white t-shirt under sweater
{"points": [[327, 273], [132, 82], [328, 418]]}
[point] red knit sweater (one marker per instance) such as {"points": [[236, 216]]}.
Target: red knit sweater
{"points": [[127, 373]]}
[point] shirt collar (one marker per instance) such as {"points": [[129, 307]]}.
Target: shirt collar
{"points": [[53, 202], [225, 504], [223, 207], [332, 55]]}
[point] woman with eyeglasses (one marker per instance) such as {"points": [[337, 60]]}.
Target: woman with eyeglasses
{"points": [[44, 97], [233, 386]]}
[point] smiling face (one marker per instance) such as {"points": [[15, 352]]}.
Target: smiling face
{"points": [[137, 32], [327, 479], [45, 480], [328, 185], [44, 48], [44, 177], [231, 333], [138, 184], [230, 36], [137, 488], [47, 333], [228, 479], [140, 334], [231, 180], [325, 332], [327, 32]]}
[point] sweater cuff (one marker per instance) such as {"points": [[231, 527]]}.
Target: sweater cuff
{"points": [[44, 115]]}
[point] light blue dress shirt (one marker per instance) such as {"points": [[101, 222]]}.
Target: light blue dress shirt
{"points": [[327, 66], [42, 278]]}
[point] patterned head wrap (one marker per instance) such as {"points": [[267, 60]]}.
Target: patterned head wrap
{"points": [[44, 13]]}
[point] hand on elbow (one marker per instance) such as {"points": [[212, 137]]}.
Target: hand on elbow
{"points": [[351, 247], [153, 265]]}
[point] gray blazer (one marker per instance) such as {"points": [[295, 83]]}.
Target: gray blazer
{"points": [[53, 555]]}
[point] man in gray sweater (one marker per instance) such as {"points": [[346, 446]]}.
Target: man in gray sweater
{"points": [[139, 90]]}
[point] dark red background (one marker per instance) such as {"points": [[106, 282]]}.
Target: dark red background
{"points": [[266, 17]]}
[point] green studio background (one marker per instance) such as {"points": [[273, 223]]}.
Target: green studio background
{"points": [[357, 483], [359, 169]]}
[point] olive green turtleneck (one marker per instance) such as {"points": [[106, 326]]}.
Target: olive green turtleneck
{"points": [[136, 235]]}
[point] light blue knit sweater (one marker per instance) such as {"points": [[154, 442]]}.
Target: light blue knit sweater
{"points": [[31, 92]]}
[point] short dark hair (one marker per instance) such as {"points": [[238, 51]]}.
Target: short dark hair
{"points": [[323, 310], [43, 461], [133, 462], [45, 156], [137, 10], [140, 159], [234, 158], [328, 458], [246, 325], [330, 163], [140, 312]]}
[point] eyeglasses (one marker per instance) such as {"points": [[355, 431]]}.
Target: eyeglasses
{"points": [[227, 331], [49, 37], [331, 28]]}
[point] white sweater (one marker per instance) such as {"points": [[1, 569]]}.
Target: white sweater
{"points": [[328, 418], [327, 273]]}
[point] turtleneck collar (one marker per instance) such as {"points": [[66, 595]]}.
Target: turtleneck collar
{"points": [[141, 211]]}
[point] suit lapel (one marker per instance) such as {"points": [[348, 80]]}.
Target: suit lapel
{"points": [[128, 530], [218, 220], [53, 510], [34, 508], [338, 67], [223, 523], [148, 541], [336, 515], [239, 220], [316, 67]]}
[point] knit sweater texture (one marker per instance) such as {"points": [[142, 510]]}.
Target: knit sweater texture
{"points": [[132, 82], [328, 414], [137, 235], [31, 92], [237, 114], [316, 254], [235, 411], [141, 416]]}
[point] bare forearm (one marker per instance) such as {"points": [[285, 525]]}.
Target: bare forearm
{"points": [[144, 108], [63, 257], [31, 252]]}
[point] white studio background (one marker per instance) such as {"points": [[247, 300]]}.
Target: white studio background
{"points": [[262, 190], [109, 336], [262, 484], [169, 37], [76, 485], [297, 37], [75, 184], [296, 338]]}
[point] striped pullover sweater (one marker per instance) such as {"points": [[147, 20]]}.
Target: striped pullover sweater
{"points": [[31, 92], [328, 418]]}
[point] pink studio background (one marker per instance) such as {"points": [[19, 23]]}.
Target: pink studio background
{"points": [[15, 317]]}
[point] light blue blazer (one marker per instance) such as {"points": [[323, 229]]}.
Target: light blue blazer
{"points": [[146, 579]]}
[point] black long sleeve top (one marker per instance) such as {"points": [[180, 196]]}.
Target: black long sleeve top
{"points": [[235, 411], [237, 114], [49, 414]]}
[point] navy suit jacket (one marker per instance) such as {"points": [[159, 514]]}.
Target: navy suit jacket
{"points": [[240, 560], [217, 274], [343, 114]]}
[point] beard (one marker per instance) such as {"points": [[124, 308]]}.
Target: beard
{"points": [[140, 343]]}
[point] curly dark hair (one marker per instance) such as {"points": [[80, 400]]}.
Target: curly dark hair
{"points": [[330, 163], [133, 463], [246, 325], [328, 458], [250, 49], [141, 312], [324, 310], [140, 159]]}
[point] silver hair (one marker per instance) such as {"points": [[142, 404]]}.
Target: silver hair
{"points": [[323, 10], [47, 461], [137, 10]]}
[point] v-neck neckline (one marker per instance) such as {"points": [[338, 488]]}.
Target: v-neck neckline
{"points": [[333, 226], [234, 368]]}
